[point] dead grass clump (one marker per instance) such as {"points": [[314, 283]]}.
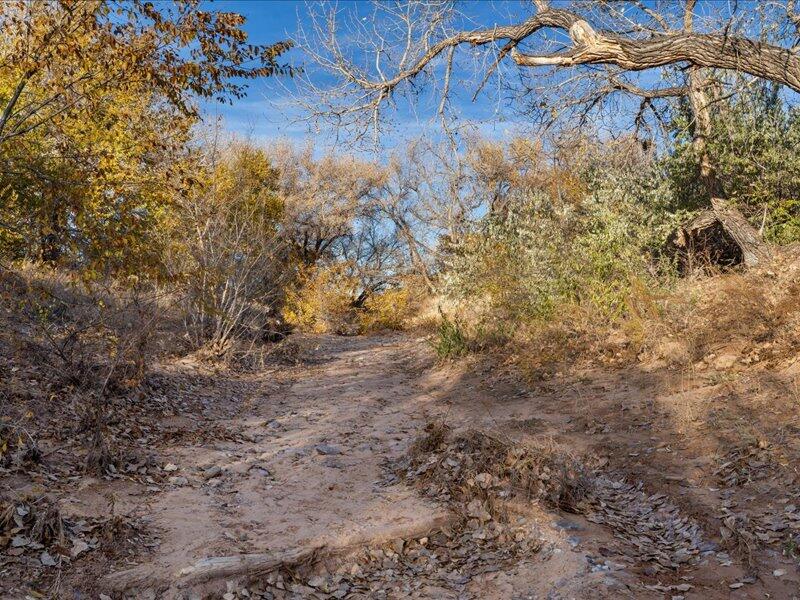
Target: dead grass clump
{"points": [[433, 437], [18, 447], [99, 458], [739, 540], [88, 334], [48, 525], [757, 309], [474, 464], [38, 519]]}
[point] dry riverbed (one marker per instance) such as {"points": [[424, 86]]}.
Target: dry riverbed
{"points": [[358, 468]]}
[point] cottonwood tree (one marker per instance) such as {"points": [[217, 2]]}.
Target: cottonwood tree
{"points": [[419, 196], [58, 56], [372, 257], [565, 59], [322, 197], [97, 102]]}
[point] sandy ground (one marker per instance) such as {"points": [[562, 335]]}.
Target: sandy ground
{"points": [[303, 461], [309, 474]]}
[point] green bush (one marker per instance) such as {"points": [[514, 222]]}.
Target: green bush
{"points": [[540, 258], [450, 341], [755, 144]]}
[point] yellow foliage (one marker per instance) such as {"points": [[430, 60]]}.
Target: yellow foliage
{"points": [[389, 309], [320, 300]]}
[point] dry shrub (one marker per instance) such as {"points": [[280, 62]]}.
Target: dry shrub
{"points": [[554, 282], [93, 342], [325, 300], [320, 301], [94, 335], [391, 309], [754, 310], [99, 458], [476, 464], [759, 307], [234, 255]]}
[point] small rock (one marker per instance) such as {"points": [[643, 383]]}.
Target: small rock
{"points": [[675, 352], [568, 525], [47, 560], [736, 586], [778, 573], [484, 480], [611, 582], [398, 545], [707, 547], [326, 449], [726, 361], [212, 472], [169, 467], [179, 481], [78, 548], [259, 470], [476, 509], [343, 590]]}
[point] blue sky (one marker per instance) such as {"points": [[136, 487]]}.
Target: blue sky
{"points": [[266, 113], [268, 21]]}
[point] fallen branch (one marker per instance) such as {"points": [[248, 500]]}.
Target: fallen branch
{"points": [[250, 566]]}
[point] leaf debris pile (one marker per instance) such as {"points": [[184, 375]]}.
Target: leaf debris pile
{"points": [[473, 474], [441, 564], [482, 473], [650, 525], [34, 534], [475, 465]]}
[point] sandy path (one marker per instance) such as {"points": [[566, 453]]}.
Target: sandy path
{"points": [[309, 476], [306, 468]]}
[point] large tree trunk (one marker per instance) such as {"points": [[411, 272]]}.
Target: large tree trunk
{"points": [[416, 257], [754, 250]]}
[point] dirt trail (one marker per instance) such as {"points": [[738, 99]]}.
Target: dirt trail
{"points": [[306, 467], [286, 471], [308, 473]]}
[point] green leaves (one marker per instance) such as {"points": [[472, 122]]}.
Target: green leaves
{"points": [[755, 143]]}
